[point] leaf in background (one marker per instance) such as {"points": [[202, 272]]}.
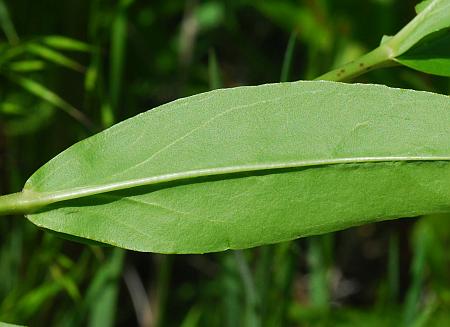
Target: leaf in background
{"points": [[295, 16], [7, 25], [55, 57], [33, 301], [8, 108], [44, 93], [215, 75], [66, 282], [26, 120], [288, 56], [210, 15], [26, 65], [433, 19], [7, 53], [4, 324], [433, 16], [242, 167], [66, 43], [103, 291], [118, 48], [431, 55]]}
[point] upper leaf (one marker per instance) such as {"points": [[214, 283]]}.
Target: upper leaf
{"points": [[433, 16], [431, 55], [422, 5], [241, 167], [431, 22]]}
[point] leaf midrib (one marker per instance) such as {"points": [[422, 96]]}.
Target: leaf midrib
{"points": [[46, 198]]}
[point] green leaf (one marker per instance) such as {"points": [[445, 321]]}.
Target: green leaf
{"points": [[433, 19], [66, 43], [422, 5], [215, 76], [26, 65], [7, 25], [118, 48], [432, 55], [288, 57], [295, 16], [55, 57], [26, 120], [48, 95], [237, 168], [4, 324], [433, 16], [103, 291]]}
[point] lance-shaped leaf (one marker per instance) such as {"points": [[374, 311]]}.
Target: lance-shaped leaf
{"points": [[431, 55], [422, 44], [236, 168], [433, 16]]}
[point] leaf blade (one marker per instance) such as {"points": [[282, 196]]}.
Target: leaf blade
{"points": [[433, 16], [54, 57], [254, 125], [65, 43], [431, 55], [41, 91]]}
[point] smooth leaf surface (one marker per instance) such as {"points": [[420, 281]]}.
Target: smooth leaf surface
{"points": [[432, 55], [236, 168], [422, 5]]}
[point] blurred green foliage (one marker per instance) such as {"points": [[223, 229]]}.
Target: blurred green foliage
{"points": [[70, 68]]}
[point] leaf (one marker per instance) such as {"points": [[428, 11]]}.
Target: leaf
{"points": [[7, 25], [237, 168], [103, 291], [48, 95], [433, 16], [4, 324], [385, 38], [55, 57], [26, 65], [432, 55], [27, 120], [66, 43], [288, 56], [422, 5], [295, 16], [215, 76], [433, 19], [118, 48]]}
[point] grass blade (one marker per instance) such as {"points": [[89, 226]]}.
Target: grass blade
{"points": [[118, 49], [55, 57], [215, 76], [65, 43], [7, 25], [103, 291], [26, 66], [46, 94], [288, 56]]}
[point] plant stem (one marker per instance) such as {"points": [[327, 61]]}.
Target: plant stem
{"points": [[19, 203], [379, 57]]}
